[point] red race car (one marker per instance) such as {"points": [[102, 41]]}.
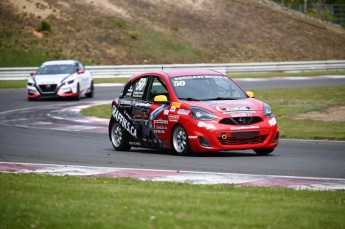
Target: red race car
{"points": [[190, 111]]}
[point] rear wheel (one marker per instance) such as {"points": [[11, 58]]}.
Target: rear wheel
{"points": [[118, 137], [263, 152], [180, 141]]}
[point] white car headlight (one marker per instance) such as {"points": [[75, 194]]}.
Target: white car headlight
{"points": [[202, 114], [267, 110]]}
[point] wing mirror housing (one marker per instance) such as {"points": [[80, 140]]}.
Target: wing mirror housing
{"points": [[160, 99], [32, 73], [250, 94], [81, 71]]}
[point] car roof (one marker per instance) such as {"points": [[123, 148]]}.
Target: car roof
{"points": [[60, 62], [169, 73], [188, 72]]}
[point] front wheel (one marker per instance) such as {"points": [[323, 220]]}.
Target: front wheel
{"points": [[180, 141], [77, 96], [118, 137], [91, 91], [263, 152]]}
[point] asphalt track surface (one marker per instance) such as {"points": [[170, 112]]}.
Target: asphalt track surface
{"points": [[22, 141]]}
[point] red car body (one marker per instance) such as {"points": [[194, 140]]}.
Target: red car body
{"points": [[190, 111]]}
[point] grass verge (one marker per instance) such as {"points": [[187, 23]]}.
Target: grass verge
{"points": [[286, 103], [42, 201]]}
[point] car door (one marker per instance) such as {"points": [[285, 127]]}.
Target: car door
{"points": [[83, 77], [140, 108], [159, 112]]}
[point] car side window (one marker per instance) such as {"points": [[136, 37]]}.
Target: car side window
{"points": [[136, 89], [158, 87], [81, 66]]}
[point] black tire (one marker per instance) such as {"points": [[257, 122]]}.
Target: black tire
{"points": [[263, 152], [91, 92], [118, 137], [180, 141]]}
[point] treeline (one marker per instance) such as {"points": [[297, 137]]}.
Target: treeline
{"points": [[319, 2], [329, 10]]}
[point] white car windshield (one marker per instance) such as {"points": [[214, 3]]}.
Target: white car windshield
{"points": [[206, 87], [56, 69]]}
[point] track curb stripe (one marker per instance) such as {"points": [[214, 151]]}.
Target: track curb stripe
{"points": [[298, 183]]}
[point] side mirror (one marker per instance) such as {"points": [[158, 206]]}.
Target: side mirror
{"points": [[32, 73], [81, 71], [160, 99], [250, 94]]}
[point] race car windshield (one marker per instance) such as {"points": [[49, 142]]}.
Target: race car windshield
{"points": [[206, 87], [56, 69]]}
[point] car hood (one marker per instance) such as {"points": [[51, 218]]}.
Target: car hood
{"points": [[50, 79], [229, 106]]}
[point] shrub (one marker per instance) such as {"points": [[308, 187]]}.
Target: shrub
{"points": [[45, 26]]}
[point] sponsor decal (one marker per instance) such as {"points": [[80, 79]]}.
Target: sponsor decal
{"points": [[160, 121], [180, 83], [166, 112], [146, 105], [173, 109], [141, 116], [135, 143], [183, 112], [272, 121], [206, 125], [159, 131], [239, 102], [127, 115], [173, 118], [156, 127], [125, 102], [240, 111], [141, 84], [242, 114], [157, 111], [244, 127], [192, 137], [176, 104], [198, 77], [231, 109], [121, 119]]}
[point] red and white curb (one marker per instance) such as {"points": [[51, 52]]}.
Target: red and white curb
{"points": [[298, 183]]}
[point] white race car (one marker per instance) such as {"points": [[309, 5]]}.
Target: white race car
{"points": [[60, 78]]}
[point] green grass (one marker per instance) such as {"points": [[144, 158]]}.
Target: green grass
{"points": [[148, 45], [42, 201], [286, 103], [21, 58], [286, 74]]}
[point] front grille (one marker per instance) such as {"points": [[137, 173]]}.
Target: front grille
{"points": [[243, 141], [241, 120], [48, 87]]}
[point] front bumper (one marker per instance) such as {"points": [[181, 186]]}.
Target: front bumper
{"points": [[34, 92], [219, 137]]}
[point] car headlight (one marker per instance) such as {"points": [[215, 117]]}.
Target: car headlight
{"points": [[31, 82], [202, 114], [67, 82], [267, 111]]}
